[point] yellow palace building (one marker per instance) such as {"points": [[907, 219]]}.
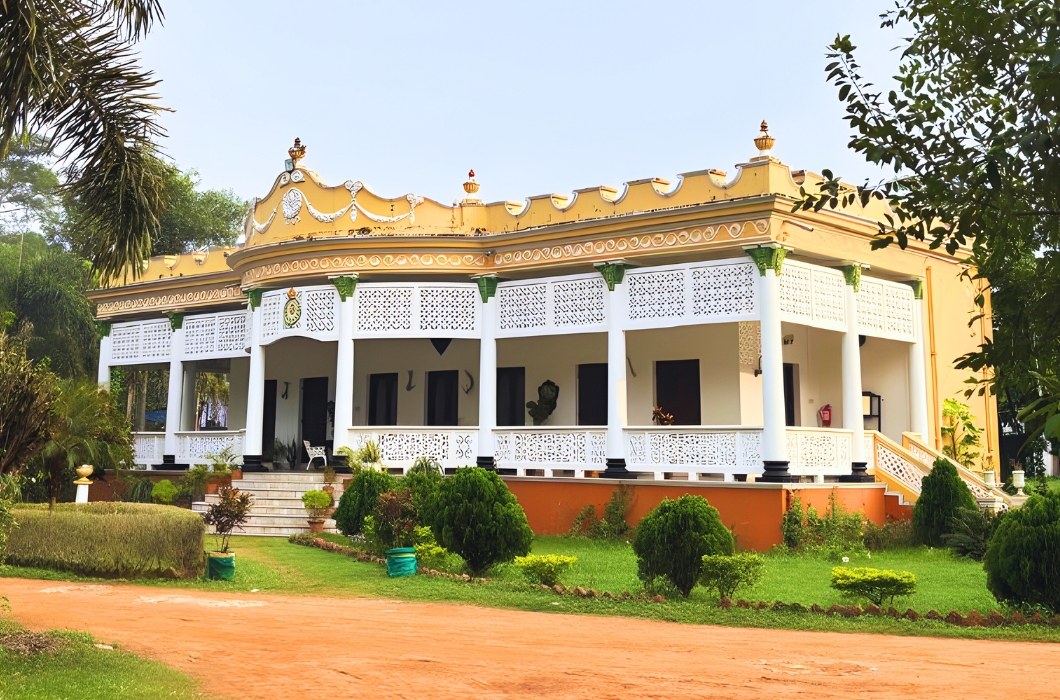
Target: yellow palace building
{"points": [[695, 329]]}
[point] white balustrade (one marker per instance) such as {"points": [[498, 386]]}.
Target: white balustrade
{"points": [[309, 312], [400, 445], [196, 446], [148, 448], [550, 449], [417, 310], [726, 450], [819, 451]]}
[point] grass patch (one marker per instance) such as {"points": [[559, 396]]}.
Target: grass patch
{"points": [[69, 665], [944, 583]]}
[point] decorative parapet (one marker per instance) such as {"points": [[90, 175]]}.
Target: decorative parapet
{"points": [[138, 301]]}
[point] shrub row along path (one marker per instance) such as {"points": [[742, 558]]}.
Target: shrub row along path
{"points": [[272, 646]]}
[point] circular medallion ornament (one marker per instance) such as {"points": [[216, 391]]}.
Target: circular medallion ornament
{"points": [[292, 310]]}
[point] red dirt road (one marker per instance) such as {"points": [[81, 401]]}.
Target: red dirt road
{"points": [[268, 646]]}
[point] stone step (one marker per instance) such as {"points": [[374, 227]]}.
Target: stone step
{"points": [[260, 494], [287, 476], [291, 521], [267, 531]]}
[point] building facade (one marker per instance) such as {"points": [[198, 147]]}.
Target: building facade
{"points": [[697, 329]]}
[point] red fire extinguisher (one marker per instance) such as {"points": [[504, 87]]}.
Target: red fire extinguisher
{"points": [[825, 414]]}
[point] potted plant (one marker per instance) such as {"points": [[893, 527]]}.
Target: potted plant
{"points": [[329, 483], [317, 504], [230, 511], [221, 466]]}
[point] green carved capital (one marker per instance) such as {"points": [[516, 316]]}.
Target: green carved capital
{"points": [[176, 320], [612, 272], [768, 258], [852, 274], [345, 285], [255, 297], [918, 288], [487, 287], [103, 329]]}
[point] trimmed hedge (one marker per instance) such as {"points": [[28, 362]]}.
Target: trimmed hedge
{"points": [[942, 496], [674, 537], [1023, 560], [110, 540]]}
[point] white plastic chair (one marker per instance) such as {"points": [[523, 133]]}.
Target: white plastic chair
{"points": [[315, 453]]}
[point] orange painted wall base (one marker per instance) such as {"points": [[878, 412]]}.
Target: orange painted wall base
{"points": [[752, 510]]}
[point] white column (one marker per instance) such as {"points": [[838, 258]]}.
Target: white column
{"points": [[918, 398], [853, 415], [617, 313], [344, 369], [176, 387], [255, 392], [103, 373], [487, 380], [769, 259]]}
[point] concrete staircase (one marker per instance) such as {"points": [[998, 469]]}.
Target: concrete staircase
{"points": [[277, 510]]}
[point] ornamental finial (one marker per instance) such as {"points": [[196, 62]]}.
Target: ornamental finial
{"points": [[764, 142], [471, 187], [297, 151]]}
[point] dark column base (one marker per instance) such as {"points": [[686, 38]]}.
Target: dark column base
{"points": [[858, 474], [487, 462], [252, 463], [338, 463], [169, 462], [777, 472], [616, 469]]}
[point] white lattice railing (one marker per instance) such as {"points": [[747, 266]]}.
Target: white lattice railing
{"points": [[819, 451], [550, 305], [310, 312], [417, 310], [693, 449], [897, 467], [400, 445], [195, 446], [137, 342], [718, 291], [148, 448], [551, 449], [215, 335]]}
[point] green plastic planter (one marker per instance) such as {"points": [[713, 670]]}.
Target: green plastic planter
{"points": [[220, 567], [401, 561]]}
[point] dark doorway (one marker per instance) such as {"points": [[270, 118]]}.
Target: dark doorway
{"points": [[442, 397], [511, 396], [382, 399], [268, 423], [314, 412], [790, 380], [592, 394], [677, 390]]}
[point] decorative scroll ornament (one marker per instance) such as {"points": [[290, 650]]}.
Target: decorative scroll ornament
{"points": [[293, 199], [292, 204], [262, 228]]}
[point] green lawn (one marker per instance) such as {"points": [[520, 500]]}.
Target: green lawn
{"points": [[78, 669], [944, 583]]}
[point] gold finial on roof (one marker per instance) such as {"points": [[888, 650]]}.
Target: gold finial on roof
{"points": [[297, 151], [291, 294], [764, 141], [471, 187]]}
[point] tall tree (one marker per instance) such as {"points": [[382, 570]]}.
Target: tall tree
{"points": [[970, 127], [25, 404], [68, 69]]}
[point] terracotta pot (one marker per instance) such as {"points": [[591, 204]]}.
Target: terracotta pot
{"points": [[316, 525], [237, 474], [211, 486]]}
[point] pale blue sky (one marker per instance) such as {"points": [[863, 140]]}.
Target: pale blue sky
{"points": [[536, 97]]}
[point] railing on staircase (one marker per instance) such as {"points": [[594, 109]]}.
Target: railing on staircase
{"points": [[988, 496], [895, 466], [903, 468]]}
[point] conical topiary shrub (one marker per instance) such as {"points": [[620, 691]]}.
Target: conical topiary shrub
{"points": [[942, 495]]}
